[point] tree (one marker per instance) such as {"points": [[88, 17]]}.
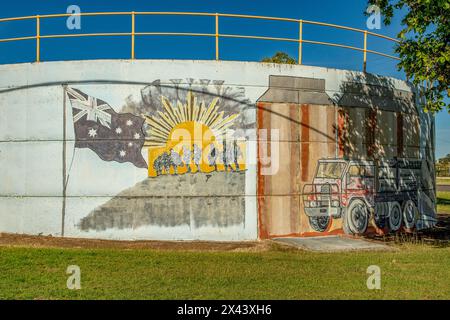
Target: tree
{"points": [[443, 166], [445, 159], [280, 57], [424, 47]]}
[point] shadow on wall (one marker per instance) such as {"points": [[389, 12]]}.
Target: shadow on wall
{"points": [[233, 99], [194, 200], [376, 120]]}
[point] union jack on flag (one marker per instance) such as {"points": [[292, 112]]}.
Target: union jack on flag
{"points": [[89, 106], [112, 136]]}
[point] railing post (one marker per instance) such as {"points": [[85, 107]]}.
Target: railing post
{"points": [[300, 42], [365, 52], [217, 36], [38, 39], [133, 31]]}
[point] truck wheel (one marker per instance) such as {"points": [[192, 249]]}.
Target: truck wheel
{"points": [[395, 217], [356, 218], [345, 226], [319, 224], [409, 214]]}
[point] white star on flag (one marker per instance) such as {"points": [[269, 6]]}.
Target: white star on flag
{"points": [[89, 107], [92, 133]]}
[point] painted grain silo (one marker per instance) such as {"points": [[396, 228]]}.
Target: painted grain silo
{"points": [[210, 150]]}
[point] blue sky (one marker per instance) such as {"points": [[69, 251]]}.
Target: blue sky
{"points": [[343, 12]]}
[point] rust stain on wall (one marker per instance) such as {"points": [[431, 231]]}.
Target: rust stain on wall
{"points": [[295, 168], [304, 139], [261, 183]]}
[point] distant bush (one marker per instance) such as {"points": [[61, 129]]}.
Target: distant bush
{"points": [[443, 166], [280, 57]]}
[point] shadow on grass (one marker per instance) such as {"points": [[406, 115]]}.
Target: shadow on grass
{"points": [[437, 237], [443, 201]]}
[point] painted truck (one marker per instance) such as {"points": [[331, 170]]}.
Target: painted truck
{"points": [[389, 193]]}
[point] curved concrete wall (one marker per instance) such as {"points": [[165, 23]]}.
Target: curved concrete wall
{"points": [[117, 150]]}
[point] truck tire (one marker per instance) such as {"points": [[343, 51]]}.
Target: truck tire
{"points": [[356, 219], [409, 214], [345, 226], [319, 224], [395, 217]]}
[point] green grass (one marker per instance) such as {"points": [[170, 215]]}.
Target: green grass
{"points": [[443, 180], [443, 202], [414, 272]]}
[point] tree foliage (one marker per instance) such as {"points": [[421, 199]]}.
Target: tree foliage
{"points": [[445, 159], [443, 166], [280, 57], [424, 46]]}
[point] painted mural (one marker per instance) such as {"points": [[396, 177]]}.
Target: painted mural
{"points": [[176, 157], [189, 139], [356, 164], [192, 137], [353, 189]]}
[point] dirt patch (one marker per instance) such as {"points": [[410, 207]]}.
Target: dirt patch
{"points": [[438, 236], [16, 240]]}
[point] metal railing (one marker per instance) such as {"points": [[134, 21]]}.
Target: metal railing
{"points": [[217, 35]]}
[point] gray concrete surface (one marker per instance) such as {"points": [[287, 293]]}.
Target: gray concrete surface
{"points": [[331, 244]]}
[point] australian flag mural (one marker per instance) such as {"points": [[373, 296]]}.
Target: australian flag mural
{"points": [[112, 136]]}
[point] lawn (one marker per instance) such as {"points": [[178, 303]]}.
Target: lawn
{"points": [[443, 202], [414, 272]]}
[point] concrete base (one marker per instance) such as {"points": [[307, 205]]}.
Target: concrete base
{"points": [[331, 244]]}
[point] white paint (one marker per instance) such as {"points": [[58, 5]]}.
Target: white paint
{"points": [[31, 168], [31, 215]]}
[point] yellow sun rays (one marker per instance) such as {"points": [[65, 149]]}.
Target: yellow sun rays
{"points": [[162, 124]]}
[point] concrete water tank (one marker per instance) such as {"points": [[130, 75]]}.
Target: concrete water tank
{"points": [[211, 150]]}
